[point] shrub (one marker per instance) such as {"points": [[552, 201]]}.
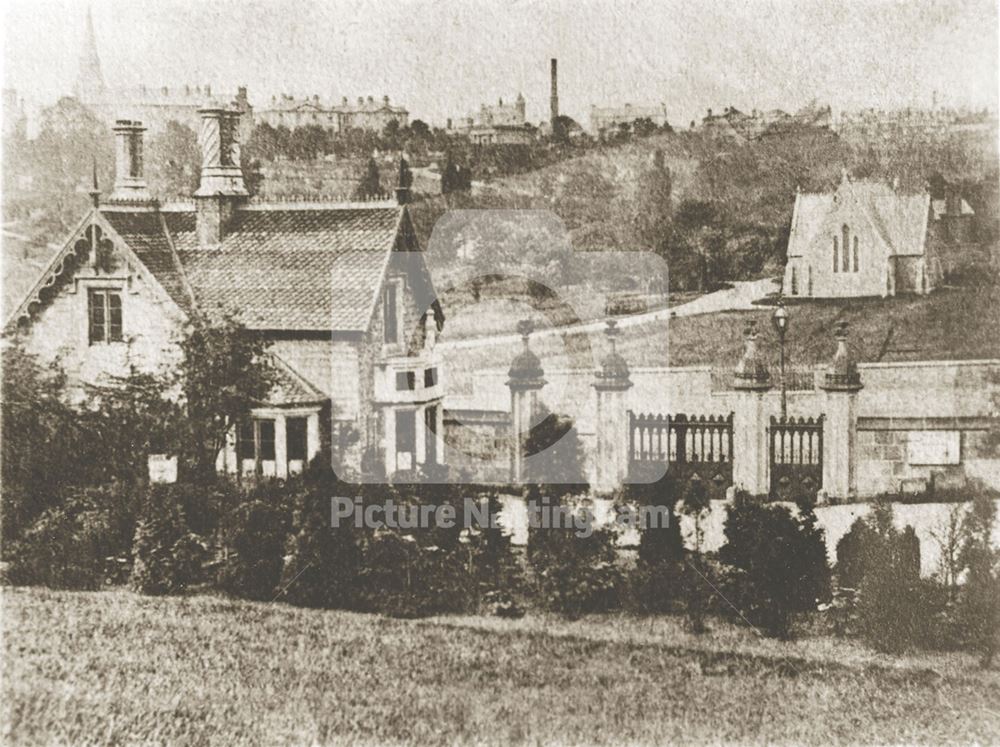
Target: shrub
{"points": [[407, 571], [783, 559], [853, 551], [695, 590], [893, 609], [850, 560], [657, 580], [979, 601], [575, 572], [497, 572], [168, 556], [403, 576], [323, 562], [255, 542], [67, 547]]}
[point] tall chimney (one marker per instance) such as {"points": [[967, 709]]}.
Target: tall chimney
{"points": [[554, 97], [130, 184], [221, 188]]}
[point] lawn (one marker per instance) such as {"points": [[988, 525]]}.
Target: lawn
{"points": [[114, 667]]}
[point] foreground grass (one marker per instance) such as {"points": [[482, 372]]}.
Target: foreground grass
{"points": [[114, 667]]}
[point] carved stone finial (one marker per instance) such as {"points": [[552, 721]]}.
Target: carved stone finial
{"points": [[842, 374], [614, 371], [751, 373], [95, 189], [526, 369]]}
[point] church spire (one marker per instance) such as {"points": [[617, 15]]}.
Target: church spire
{"points": [[89, 86]]}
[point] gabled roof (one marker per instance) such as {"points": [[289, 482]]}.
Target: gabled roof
{"points": [[290, 387], [899, 220], [305, 267], [147, 236], [93, 225]]}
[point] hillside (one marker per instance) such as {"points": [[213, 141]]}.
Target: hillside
{"points": [[720, 209], [951, 324]]}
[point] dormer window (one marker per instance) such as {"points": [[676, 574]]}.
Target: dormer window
{"points": [[104, 310]]}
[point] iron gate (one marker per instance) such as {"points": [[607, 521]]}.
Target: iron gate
{"points": [[691, 447], [796, 458]]}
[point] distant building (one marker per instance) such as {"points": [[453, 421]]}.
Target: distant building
{"points": [[610, 118], [868, 239], [737, 125], [368, 114], [155, 106], [875, 124], [497, 124]]}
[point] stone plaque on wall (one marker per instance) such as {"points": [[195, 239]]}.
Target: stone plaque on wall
{"points": [[933, 447]]}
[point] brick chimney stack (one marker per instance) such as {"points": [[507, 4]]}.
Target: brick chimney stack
{"points": [[554, 97], [221, 188], [130, 184]]}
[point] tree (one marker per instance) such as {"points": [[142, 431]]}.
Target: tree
{"points": [[660, 567], [255, 540], [892, 609], [643, 127], [168, 556], [130, 417], [420, 129], [70, 140], [225, 372], [979, 608], [652, 220], [562, 127], [173, 160], [39, 436], [782, 559], [696, 505], [370, 185]]}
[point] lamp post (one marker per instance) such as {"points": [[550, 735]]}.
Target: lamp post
{"points": [[780, 321]]}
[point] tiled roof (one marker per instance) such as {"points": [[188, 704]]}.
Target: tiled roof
{"points": [[143, 232], [290, 387], [281, 268]]}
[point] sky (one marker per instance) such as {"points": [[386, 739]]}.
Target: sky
{"points": [[442, 58]]}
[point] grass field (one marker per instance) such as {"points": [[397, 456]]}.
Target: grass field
{"points": [[113, 667]]}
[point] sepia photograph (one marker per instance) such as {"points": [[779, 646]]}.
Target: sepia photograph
{"points": [[471, 372]]}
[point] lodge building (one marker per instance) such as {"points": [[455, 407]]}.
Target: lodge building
{"points": [[339, 291]]}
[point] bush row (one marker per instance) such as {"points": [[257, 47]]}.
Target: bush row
{"points": [[275, 542]]}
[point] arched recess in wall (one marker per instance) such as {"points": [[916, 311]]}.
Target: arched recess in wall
{"points": [[846, 232]]}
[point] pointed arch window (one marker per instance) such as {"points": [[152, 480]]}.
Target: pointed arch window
{"points": [[855, 253], [836, 264], [795, 282], [847, 242]]}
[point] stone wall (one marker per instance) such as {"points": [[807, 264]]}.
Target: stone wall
{"points": [[915, 396]]}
